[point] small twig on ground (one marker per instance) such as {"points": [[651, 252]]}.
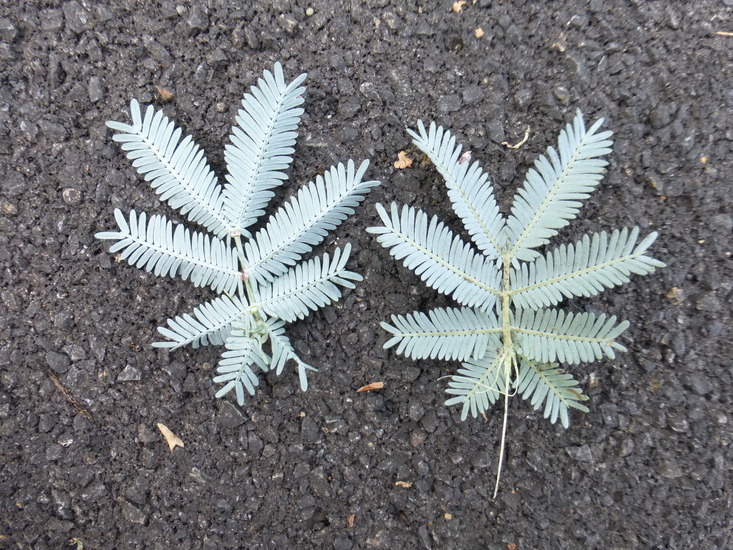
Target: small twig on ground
{"points": [[66, 393], [518, 145]]}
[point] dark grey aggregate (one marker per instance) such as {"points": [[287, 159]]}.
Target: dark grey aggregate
{"points": [[648, 467]]}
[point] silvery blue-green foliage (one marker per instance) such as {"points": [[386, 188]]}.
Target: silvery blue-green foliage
{"points": [[507, 333], [260, 275]]}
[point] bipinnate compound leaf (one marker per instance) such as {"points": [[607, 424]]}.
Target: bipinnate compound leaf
{"points": [[262, 280], [508, 340]]}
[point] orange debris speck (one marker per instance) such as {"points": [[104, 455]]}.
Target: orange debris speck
{"points": [[370, 387], [403, 161], [164, 94]]}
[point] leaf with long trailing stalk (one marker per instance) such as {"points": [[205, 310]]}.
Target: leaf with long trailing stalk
{"points": [[507, 341]]}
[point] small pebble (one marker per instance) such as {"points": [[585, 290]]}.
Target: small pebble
{"points": [[71, 195], [129, 374], [59, 362], [8, 32]]}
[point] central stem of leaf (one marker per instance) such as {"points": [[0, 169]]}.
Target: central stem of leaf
{"points": [[505, 302], [246, 282]]}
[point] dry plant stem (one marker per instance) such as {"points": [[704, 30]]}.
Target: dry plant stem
{"points": [[508, 360], [503, 439], [66, 393]]}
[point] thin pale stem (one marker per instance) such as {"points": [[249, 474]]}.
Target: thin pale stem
{"points": [[503, 439], [245, 280], [508, 361]]}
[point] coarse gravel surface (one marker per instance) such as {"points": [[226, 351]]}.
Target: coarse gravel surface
{"points": [[82, 390]]}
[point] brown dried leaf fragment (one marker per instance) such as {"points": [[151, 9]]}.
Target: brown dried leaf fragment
{"points": [[350, 519], [164, 94], [403, 161], [172, 439], [370, 387], [676, 295]]}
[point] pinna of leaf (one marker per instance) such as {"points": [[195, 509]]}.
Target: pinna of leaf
{"points": [[507, 334], [261, 278]]}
